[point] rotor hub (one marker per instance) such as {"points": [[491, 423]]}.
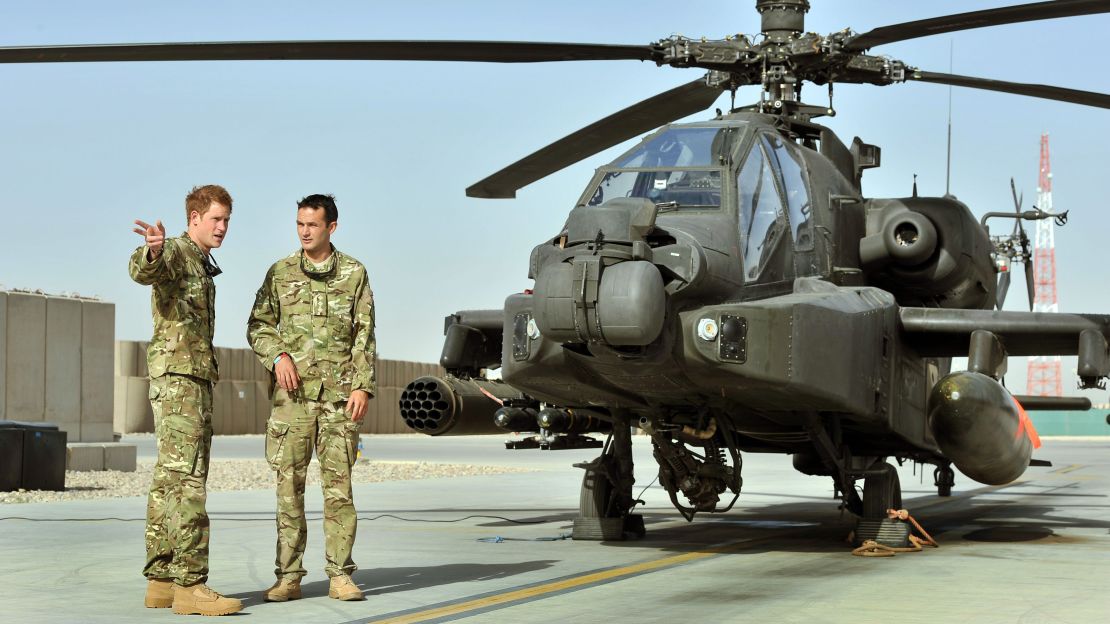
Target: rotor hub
{"points": [[780, 19]]}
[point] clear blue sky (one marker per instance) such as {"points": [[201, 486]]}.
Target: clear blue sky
{"points": [[90, 147]]}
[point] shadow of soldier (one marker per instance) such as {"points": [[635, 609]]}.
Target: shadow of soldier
{"points": [[378, 581]]}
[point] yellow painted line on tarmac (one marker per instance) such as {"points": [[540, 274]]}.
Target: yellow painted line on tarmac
{"points": [[591, 578], [1067, 469], [567, 584]]}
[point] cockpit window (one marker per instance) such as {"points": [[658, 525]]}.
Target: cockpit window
{"points": [[760, 208], [794, 184], [680, 147], [675, 189]]}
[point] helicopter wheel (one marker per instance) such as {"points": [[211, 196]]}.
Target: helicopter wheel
{"points": [[596, 520], [603, 512], [944, 478], [881, 491]]}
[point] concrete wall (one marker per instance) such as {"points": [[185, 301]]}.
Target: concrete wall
{"points": [[63, 365], [98, 333], [3, 355], [56, 363], [241, 399], [26, 357]]}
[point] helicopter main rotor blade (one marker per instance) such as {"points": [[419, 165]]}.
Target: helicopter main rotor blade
{"points": [[1088, 98], [976, 19], [477, 51], [1030, 287], [649, 114], [1003, 287]]}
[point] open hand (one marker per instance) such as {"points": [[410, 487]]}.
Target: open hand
{"points": [[155, 236]]}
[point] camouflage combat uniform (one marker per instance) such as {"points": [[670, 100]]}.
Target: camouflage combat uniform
{"points": [[182, 370], [323, 317]]}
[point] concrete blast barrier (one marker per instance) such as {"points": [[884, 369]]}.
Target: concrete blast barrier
{"points": [[221, 408], [3, 355], [223, 361], [120, 457], [255, 371], [383, 415], [85, 456], [98, 327], [242, 407], [262, 403], [62, 393], [26, 357], [133, 413], [128, 354], [140, 361]]}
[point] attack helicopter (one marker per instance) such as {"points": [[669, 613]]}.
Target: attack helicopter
{"points": [[726, 287]]}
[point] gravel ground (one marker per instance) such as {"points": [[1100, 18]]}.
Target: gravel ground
{"points": [[238, 474]]}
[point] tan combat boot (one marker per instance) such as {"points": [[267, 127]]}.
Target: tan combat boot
{"points": [[159, 594], [283, 590], [343, 588], [199, 599]]}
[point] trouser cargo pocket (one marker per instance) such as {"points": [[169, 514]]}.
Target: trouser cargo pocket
{"points": [[350, 432], [276, 432], [179, 448]]}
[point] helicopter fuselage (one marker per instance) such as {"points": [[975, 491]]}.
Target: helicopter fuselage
{"points": [[725, 284]]}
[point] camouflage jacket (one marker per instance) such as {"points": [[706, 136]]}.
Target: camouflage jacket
{"points": [[323, 317], [183, 304]]}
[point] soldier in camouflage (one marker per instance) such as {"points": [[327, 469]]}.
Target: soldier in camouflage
{"points": [[182, 370], [312, 325]]}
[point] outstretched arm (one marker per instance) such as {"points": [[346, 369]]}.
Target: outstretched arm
{"points": [[148, 264]]}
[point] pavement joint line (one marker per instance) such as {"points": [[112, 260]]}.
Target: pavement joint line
{"points": [[466, 606]]}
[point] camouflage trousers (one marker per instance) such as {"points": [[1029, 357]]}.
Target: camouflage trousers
{"points": [[176, 522], [296, 426]]}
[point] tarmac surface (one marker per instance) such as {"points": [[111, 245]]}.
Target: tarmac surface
{"points": [[1037, 550]]}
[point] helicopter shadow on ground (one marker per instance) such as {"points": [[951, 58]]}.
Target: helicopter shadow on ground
{"points": [[567, 515], [989, 517], [975, 516]]}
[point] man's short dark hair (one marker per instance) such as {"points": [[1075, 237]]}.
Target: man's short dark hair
{"points": [[327, 202]]}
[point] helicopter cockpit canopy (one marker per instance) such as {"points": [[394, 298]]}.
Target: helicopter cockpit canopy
{"points": [[679, 168]]}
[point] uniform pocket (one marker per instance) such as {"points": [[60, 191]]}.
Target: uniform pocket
{"points": [[178, 448], [276, 432], [350, 432]]}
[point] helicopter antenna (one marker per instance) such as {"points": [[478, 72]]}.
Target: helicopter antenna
{"points": [[948, 162], [915, 185]]}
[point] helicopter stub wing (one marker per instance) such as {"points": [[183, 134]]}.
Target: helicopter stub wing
{"points": [[937, 332], [690, 98]]}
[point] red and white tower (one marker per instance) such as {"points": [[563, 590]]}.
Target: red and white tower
{"points": [[1045, 371]]}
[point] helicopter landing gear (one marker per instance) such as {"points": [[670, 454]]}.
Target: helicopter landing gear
{"points": [[882, 491], [605, 502], [944, 478]]}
